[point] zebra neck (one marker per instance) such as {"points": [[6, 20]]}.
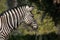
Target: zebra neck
{"points": [[20, 15]]}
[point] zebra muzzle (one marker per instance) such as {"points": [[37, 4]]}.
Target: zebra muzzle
{"points": [[34, 26]]}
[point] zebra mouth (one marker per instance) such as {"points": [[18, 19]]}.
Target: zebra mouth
{"points": [[34, 26]]}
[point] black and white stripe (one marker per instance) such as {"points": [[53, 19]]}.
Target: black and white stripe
{"points": [[11, 18]]}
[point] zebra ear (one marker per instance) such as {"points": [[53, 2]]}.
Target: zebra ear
{"points": [[29, 8]]}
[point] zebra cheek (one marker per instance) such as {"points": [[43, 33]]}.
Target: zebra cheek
{"points": [[26, 21]]}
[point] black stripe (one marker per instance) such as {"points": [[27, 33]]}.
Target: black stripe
{"points": [[2, 27], [16, 16], [20, 15], [10, 19], [1, 24], [7, 21], [4, 32], [21, 11], [13, 16]]}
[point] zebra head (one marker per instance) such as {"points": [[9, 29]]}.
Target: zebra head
{"points": [[29, 18]]}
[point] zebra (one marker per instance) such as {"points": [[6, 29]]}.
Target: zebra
{"points": [[12, 18]]}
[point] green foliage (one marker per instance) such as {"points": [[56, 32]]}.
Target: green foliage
{"points": [[2, 5], [23, 2], [45, 27]]}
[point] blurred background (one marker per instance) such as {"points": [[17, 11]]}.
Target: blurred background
{"points": [[47, 15]]}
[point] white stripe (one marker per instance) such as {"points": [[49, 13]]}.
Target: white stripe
{"points": [[3, 26], [9, 20], [15, 18], [18, 16], [21, 14], [23, 10], [11, 17], [6, 28]]}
